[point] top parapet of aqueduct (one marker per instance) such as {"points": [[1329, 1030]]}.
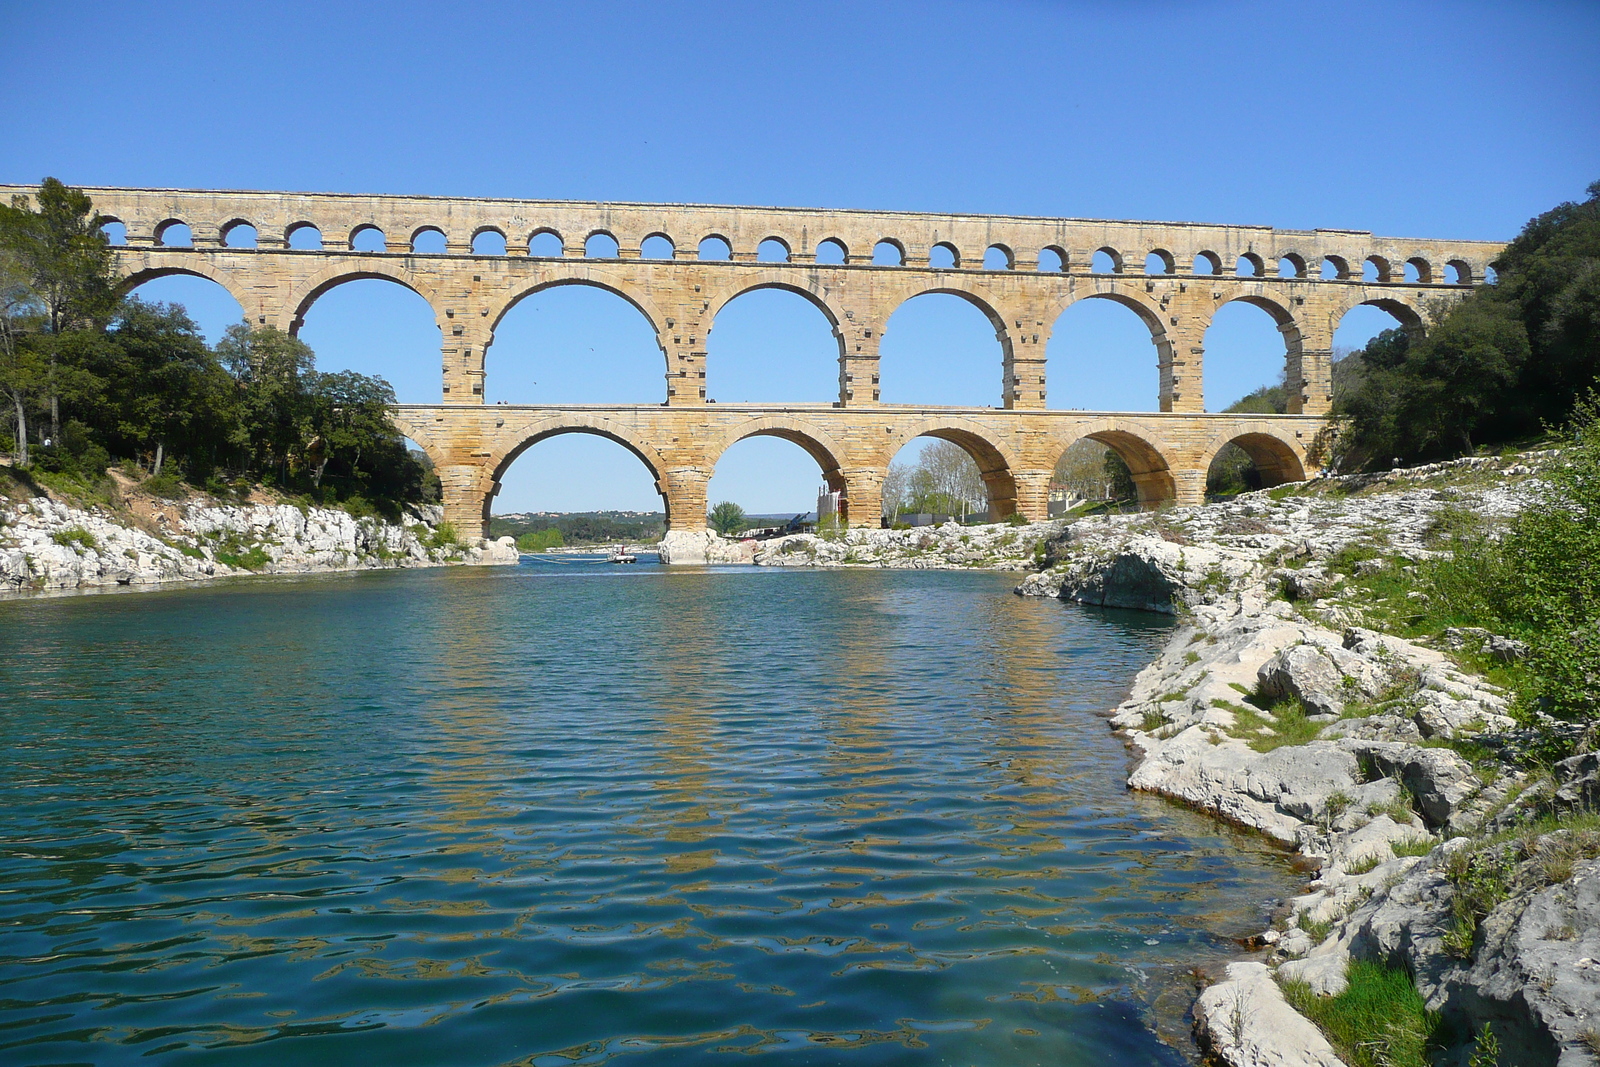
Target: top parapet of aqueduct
{"points": [[209, 214]]}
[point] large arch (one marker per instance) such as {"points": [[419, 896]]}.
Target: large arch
{"points": [[1225, 380], [200, 269], [501, 459], [996, 461], [974, 296], [1152, 473], [814, 442], [626, 339], [1063, 389], [309, 290], [1278, 458], [795, 367], [377, 326]]}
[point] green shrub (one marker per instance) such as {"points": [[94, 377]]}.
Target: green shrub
{"points": [[444, 536], [166, 485], [1379, 1020], [75, 537]]}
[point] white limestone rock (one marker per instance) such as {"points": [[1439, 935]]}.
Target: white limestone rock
{"points": [[1245, 1022]]}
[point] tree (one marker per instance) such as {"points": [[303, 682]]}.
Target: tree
{"points": [[727, 518], [21, 373]]}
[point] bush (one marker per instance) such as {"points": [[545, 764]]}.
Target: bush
{"points": [[75, 537], [444, 536], [167, 485]]}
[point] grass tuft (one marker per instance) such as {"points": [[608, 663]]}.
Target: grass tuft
{"points": [[1380, 1019]]}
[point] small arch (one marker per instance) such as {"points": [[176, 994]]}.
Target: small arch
{"points": [[1419, 271], [657, 246], [428, 241], [1457, 272], [888, 253], [998, 257], [1375, 269], [1052, 260], [367, 238], [174, 233], [240, 234], [1158, 261], [304, 237], [944, 256], [1207, 263], [832, 252], [1106, 261], [1271, 462], [1249, 266], [115, 230], [772, 250], [1335, 268], [1291, 265], [488, 242], [1491, 276], [546, 244], [600, 245], [715, 248]]}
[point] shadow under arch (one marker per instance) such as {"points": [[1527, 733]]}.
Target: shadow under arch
{"points": [[817, 443], [1152, 474], [150, 274], [996, 463], [576, 422], [333, 277], [1277, 460]]}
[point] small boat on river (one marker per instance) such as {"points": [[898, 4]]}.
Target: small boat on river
{"points": [[620, 554]]}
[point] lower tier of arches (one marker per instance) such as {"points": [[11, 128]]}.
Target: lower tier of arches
{"points": [[1166, 455]]}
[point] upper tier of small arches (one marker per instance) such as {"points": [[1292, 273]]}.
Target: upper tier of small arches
{"points": [[405, 226]]}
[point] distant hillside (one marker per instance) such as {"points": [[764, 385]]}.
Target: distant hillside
{"points": [[583, 527]]}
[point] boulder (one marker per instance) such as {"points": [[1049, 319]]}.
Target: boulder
{"points": [[1245, 1022], [1439, 779], [1323, 679]]}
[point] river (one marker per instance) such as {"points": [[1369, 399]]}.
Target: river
{"points": [[579, 815]]}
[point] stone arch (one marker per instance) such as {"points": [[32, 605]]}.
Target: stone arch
{"points": [[201, 268], [996, 461], [779, 240], [672, 246], [1109, 289], [600, 278], [1135, 299], [524, 438], [358, 230], [979, 296], [1152, 473], [1408, 314], [300, 226], [1257, 267], [418, 428], [165, 226], [329, 277], [1164, 260], [1278, 458], [1296, 262], [1463, 272], [561, 242], [225, 231], [427, 227], [1382, 269], [817, 443], [772, 280], [1423, 267]]}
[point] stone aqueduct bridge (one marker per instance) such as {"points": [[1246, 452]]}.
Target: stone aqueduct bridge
{"points": [[1305, 279]]}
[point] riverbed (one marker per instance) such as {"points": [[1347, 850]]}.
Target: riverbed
{"points": [[552, 814]]}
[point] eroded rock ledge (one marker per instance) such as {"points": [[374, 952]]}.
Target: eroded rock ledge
{"points": [[1275, 708]]}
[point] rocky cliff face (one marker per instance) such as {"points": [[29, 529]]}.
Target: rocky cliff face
{"points": [[49, 545], [1274, 708]]}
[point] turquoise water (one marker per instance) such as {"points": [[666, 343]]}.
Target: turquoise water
{"points": [[578, 815]]}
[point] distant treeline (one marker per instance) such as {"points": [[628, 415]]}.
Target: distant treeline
{"points": [[89, 378], [580, 528]]}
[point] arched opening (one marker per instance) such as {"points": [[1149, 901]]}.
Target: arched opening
{"points": [[1249, 266], [947, 474], [429, 241], [600, 246], [116, 232], [1207, 263], [1291, 265], [943, 256], [488, 243], [657, 246], [574, 343], [888, 254], [1355, 329], [997, 257], [772, 250], [1491, 276], [940, 348], [1052, 260], [378, 327], [1457, 272], [239, 234], [774, 477], [1245, 358], [305, 237], [1375, 269], [1418, 271], [1102, 356], [546, 244], [1334, 268], [773, 345], [368, 239], [1158, 262], [590, 488], [209, 305], [831, 253], [1106, 261], [1110, 469], [715, 249], [1249, 462], [174, 234]]}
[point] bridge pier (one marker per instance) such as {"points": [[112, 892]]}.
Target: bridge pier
{"points": [[465, 491], [863, 495]]}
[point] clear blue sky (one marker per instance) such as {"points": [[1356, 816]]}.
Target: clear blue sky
{"points": [[1456, 120]]}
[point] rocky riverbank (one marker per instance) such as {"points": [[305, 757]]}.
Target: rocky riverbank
{"points": [[996, 546], [1392, 767], [130, 538]]}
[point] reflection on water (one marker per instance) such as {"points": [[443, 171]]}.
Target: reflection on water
{"points": [[552, 815]]}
